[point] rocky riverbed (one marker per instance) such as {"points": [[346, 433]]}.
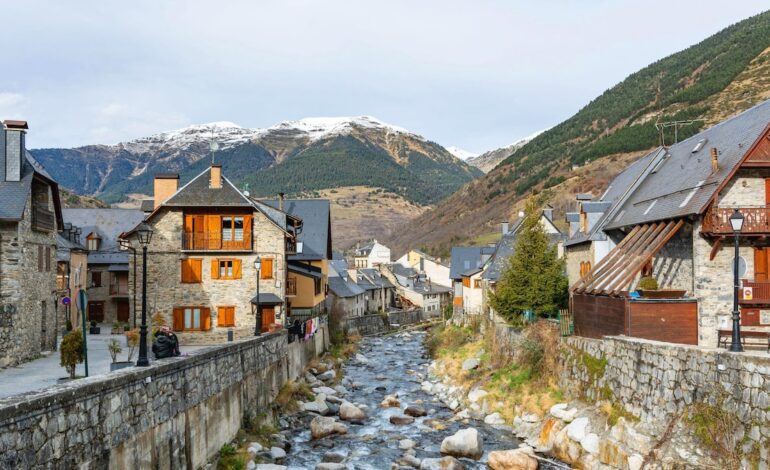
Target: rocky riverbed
{"points": [[380, 415]]}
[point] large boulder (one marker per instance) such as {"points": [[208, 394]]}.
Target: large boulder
{"points": [[322, 426], [319, 407], [495, 419], [350, 412], [476, 394], [444, 463], [464, 443], [401, 419], [515, 459], [328, 375], [415, 410], [577, 429], [470, 364]]}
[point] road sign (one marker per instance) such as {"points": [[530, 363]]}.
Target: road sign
{"points": [[65, 300]]}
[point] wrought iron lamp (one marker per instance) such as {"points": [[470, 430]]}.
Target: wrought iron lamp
{"points": [[144, 232], [736, 221], [257, 312]]}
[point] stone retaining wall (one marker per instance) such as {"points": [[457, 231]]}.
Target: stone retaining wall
{"points": [[657, 381], [177, 413], [379, 323]]}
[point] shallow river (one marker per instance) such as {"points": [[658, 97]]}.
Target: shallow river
{"points": [[396, 364]]}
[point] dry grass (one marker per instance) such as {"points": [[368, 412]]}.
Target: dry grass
{"points": [[286, 400]]}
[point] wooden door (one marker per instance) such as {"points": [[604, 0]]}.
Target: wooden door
{"points": [[123, 310], [268, 317], [96, 311], [761, 263]]}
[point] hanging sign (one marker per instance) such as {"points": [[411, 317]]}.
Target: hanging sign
{"points": [[748, 293]]}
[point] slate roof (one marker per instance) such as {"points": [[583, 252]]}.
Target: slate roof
{"points": [[365, 250], [316, 226], [106, 223], [505, 248], [401, 270], [343, 286], [421, 286], [198, 192], [108, 257], [680, 182], [148, 205], [339, 266], [467, 257], [267, 298], [376, 279], [14, 194], [572, 217]]}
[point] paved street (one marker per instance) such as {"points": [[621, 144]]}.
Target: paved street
{"points": [[44, 372]]}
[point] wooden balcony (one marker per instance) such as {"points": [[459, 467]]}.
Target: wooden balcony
{"points": [[213, 241], [756, 221], [760, 292], [291, 246], [43, 219], [291, 286]]}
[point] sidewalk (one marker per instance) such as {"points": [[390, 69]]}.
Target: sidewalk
{"points": [[44, 372]]}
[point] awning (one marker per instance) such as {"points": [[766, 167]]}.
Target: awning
{"points": [[305, 270], [615, 271], [118, 268], [267, 299]]}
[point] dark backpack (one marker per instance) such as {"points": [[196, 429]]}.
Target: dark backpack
{"points": [[163, 347]]}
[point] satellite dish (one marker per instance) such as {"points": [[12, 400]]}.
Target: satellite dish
{"points": [[214, 146]]}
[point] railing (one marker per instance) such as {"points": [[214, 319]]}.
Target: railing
{"points": [[42, 219], [291, 286], [291, 246], [760, 292], [214, 241], [755, 221]]}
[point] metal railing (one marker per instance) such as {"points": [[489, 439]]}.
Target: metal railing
{"points": [[214, 241], [760, 292]]}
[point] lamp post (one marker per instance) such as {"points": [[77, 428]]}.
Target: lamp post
{"points": [[144, 232], [736, 220], [257, 313], [125, 244]]}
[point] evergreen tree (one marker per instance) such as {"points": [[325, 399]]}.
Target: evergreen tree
{"points": [[535, 277]]}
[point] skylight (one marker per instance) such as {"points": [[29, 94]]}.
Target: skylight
{"points": [[699, 145]]}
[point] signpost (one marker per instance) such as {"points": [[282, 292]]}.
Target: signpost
{"points": [[83, 306]]}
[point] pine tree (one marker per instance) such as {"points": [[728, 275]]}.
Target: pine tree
{"points": [[535, 277]]}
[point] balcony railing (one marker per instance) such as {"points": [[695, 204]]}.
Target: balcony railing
{"points": [[760, 292], [291, 286], [291, 246], [42, 219], [755, 221], [214, 241]]}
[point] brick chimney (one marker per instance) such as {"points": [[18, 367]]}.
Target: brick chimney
{"points": [[216, 177], [165, 185], [714, 160], [12, 149]]}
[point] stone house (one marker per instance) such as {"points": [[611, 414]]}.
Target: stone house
{"points": [[433, 268], [673, 224], [202, 276], [468, 261], [415, 289], [107, 277], [345, 296], [71, 272], [371, 255], [380, 292], [308, 266], [30, 217]]}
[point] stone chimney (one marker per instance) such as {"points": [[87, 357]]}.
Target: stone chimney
{"points": [[12, 149], [216, 177], [164, 186], [280, 201], [714, 160], [548, 213]]}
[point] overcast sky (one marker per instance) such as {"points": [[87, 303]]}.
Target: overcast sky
{"points": [[475, 74]]}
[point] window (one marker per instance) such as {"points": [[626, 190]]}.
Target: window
{"points": [[226, 316], [266, 270], [317, 285], [192, 319], [585, 268], [229, 268], [191, 270], [92, 243], [477, 283], [232, 229], [466, 282], [40, 261], [96, 279]]}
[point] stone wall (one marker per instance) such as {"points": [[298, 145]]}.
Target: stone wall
{"points": [[577, 254], [658, 381], [672, 266], [176, 413]]}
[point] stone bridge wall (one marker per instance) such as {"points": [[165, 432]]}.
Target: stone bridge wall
{"points": [[379, 323], [177, 413]]}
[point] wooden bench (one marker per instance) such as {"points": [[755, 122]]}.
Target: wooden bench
{"points": [[757, 337]]}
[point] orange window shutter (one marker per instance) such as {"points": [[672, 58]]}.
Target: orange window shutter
{"points": [[195, 270], [231, 316], [188, 223], [760, 264], [205, 319], [236, 269], [185, 270], [178, 319], [214, 269], [266, 272], [221, 316]]}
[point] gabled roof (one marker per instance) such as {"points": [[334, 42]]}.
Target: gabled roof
{"points": [[316, 236], [343, 286], [680, 181], [506, 247], [107, 224], [375, 278], [198, 192], [467, 257], [366, 249], [14, 194]]}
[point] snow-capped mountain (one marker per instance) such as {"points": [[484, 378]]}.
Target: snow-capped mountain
{"points": [[292, 156], [460, 153], [489, 160]]}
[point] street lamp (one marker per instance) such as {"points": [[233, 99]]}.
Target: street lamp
{"points": [[257, 313], [144, 232], [736, 220]]}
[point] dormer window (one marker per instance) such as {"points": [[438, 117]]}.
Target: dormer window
{"points": [[92, 242]]}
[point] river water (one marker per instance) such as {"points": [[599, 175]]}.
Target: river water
{"points": [[395, 364]]}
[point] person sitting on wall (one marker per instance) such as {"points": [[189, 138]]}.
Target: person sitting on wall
{"points": [[295, 331], [166, 343]]}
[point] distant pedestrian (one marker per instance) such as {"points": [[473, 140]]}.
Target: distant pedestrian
{"points": [[166, 343]]}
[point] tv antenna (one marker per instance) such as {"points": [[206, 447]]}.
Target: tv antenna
{"points": [[214, 146], [662, 126]]}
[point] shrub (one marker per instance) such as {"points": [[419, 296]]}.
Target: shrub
{"points": [[132, 341], [539, 350], [113, 346], [158, 320], [648, 283], [71, 351]]}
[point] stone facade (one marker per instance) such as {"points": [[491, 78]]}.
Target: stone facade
{"points": [[165, 291], [576, 255], [657, 382], [176, 413], [28, 319]]}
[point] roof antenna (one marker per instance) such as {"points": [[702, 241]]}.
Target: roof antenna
{"points": [[214, 146]]}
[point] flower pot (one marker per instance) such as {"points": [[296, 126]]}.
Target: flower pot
{"points": [[95, 330], [662, 293], [120, 365]]}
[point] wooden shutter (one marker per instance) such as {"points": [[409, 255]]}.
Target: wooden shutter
{"points": [[186, 275], [225, 316], [760, 264], [178, 319], [767, 192], [236, 268], [266, 272], [205, 319], [247, 230], [214, 269], [39, 259], [196, 270]]}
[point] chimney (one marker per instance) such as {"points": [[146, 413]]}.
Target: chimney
{"points": [[280, 201], [504, 227], [714, 160], [164, 186], [12, 149], [216, 177], [548, 213]]}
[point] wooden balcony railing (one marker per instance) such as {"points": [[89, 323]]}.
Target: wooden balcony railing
{"points": [[756, 221], [291, 286], [213, 241], [42, 219], [760, 292]]}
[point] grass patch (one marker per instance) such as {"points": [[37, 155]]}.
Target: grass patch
{"points": [[594, 366], [714, 427], [291, 392], [614, 412], [231, 459]]}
